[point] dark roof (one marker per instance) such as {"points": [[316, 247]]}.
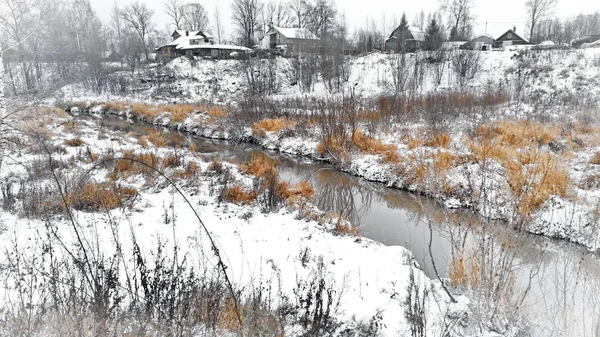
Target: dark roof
{"points": [[515, 36]]}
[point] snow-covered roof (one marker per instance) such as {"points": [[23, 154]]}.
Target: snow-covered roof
{"points": [[417, 33], [296, 33], [192, 33], [215, 46], [546, 43]]}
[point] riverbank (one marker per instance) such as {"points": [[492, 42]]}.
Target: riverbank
{"points": [[531, 175], [120, 205]]}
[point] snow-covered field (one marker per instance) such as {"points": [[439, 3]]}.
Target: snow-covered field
{"points": [[278, 249]]}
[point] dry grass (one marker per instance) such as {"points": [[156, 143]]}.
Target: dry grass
{"points": [[299, 193], [533, 176], [388, 152], [100, 197], [260, 166], [179, 112], [157, 139], [216, 112], [595, 159], [238, 195], [229, 316], [272, 125], [75, 142], [188, 172], [438, 140]]}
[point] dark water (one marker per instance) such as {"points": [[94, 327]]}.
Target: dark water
{"points": [[552, 286]]}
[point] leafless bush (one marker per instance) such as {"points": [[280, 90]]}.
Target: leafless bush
{"points": [[466, 64]]}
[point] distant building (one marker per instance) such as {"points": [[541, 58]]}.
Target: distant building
{"points": [[290, 40], [452, 45], [510, 38], [196, 43], [482, 43], [585, 40], [414, 38]]}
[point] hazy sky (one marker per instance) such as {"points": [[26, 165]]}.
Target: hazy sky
{"points": [[499, 14]]}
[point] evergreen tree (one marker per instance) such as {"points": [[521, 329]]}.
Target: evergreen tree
{"points": [[433, 35]]}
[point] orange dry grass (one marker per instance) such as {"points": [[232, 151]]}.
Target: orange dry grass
{"points": [[301, 191], [99, 197], [75, 142], [370, 145], [414, 142], [216, 112], [458, 272], [595, 159], [230, 316], [532, 176], [439, 140], [272, 125], [534, 183], [178, 112], [519, 134], [115, 106], [260, 165], [157, 139], [334, 144], [237, 195], [188, 172]]}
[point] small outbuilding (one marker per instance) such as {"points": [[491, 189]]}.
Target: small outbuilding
{"points": [[510, 38], [481, 43]]}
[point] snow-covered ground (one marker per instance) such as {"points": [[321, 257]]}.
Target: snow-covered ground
{"points": [[279, 248]]}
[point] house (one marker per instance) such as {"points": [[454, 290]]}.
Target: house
{"points": [[586, 39], [196, 43], [510, 38], [414, 38], [290, 40], [481, 43]]}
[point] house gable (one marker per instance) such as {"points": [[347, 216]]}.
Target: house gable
{"points": [[510, 35]]}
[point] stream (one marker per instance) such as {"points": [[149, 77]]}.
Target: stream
{"points": [[552, 286]]}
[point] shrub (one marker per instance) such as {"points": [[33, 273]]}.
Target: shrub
{"points": [[237, 195], [75, 142]]}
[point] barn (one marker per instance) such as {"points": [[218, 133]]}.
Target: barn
{"points": [[510, 38], [290, 40]]}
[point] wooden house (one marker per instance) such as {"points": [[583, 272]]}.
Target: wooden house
{"points": [[414, 38], [195, 43], [510, 38], [289, 40]]}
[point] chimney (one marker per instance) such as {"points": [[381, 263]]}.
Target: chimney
{"points": [[515, 29], [187, 33]]}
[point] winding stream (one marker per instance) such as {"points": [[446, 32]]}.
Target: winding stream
{"points": [[551, 286]]}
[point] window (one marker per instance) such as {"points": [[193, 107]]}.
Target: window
{"points": [[509, 35]]}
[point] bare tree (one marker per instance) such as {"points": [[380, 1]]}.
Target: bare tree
{"points": [[194, 16], [278, 13], [321, 18], [139, 16], [537, 10], [299, 11], [245, 15], [466, 64], [459, 13], [173, 9]]}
